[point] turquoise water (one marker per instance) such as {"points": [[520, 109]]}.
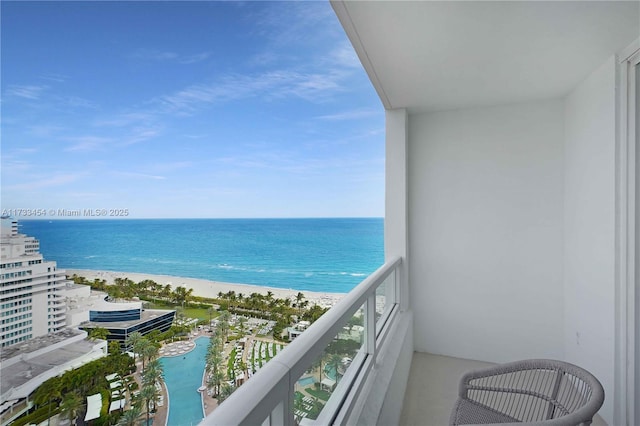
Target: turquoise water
{"points": [[330, 372], [183, 377], [329, 255], [305, 381]]}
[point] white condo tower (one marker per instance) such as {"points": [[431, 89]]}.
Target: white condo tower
{"points": [[30, 301]]}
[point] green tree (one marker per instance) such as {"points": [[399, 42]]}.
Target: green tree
{"points": [[335, 362], [113, 347], [225, 391], [299, 303], [181, 295], [149, 394], [210, 311], [147, 351], [223, 324], [132, 341], [48, 392], [215, 364], [98, 333], [130, 417], [71, 404], [242, 321], [153, 373], [165, 293]]}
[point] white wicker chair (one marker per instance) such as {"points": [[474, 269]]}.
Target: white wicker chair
{"points": [[537, 391]]}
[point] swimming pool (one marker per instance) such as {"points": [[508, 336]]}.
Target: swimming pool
{"points": [[330, 371], [183, 377], [306, 381]]}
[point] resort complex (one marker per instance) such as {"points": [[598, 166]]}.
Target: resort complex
{"points": [[125, 348]]}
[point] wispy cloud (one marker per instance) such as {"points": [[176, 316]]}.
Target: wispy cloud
{"points": [[162, 56], [46, 182], [26, 91], [345, 56], [192, 59], [141, 134], [138, 175], [44, 130], [11, 165], [128, 137], [88, 143], [351, 115], [125, 119], [270, 85], [58, 78], [171, 166], [294, 23], [77, 102]]}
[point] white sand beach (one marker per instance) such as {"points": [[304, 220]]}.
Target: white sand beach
{"points": [[206, 288]]}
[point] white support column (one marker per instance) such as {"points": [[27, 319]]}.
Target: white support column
{"points": [[370, 325], [396, 208], [627, 360]]}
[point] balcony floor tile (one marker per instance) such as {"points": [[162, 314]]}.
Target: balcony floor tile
{"points": [[433, 388]]}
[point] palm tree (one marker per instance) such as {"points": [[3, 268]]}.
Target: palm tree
{"points": [[133, 341], [70, 406], [215, 364], [98, 333], [242, 320], [165, 293], [148, 394], [216, 380], [147, 351], [130, 417], [232, 299], [225, 391], [335, 361], [299, 298], [153, 373], [181, 295], [223, 324], [210, 311], [48, 391]]}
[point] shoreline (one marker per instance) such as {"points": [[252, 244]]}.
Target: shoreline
{"points": [[208, 288]]}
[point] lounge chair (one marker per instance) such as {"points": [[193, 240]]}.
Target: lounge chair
{"points": [[544, 392]]}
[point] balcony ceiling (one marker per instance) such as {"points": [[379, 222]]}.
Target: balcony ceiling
{"points": [[441, 55]]}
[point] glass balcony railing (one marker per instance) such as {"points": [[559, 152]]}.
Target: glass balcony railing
{"points": [[315, 378]]}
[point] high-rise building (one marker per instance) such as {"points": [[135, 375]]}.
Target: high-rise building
{"points": [[30, 301]]}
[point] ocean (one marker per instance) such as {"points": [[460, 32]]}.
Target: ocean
{"points": [[326, 255]]}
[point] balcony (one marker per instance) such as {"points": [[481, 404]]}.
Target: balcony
{"points": [[511, 222], [274, 396]]}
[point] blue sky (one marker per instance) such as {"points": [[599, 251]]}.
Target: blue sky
{"points": [[187, 109]]}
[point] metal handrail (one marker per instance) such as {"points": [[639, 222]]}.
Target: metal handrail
{"points": [[269, 393]]}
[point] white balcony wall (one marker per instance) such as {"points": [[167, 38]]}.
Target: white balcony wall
{"points": [[589, 227], [486, 231]]}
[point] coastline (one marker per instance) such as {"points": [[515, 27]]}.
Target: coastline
{"points": [[207, 288]]}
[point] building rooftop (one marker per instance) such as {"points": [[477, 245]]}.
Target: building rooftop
{"points": [[27, 365], [35, 344], [146, 315]]}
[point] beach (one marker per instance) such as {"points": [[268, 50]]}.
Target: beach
{"points": [[206, 288]]}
